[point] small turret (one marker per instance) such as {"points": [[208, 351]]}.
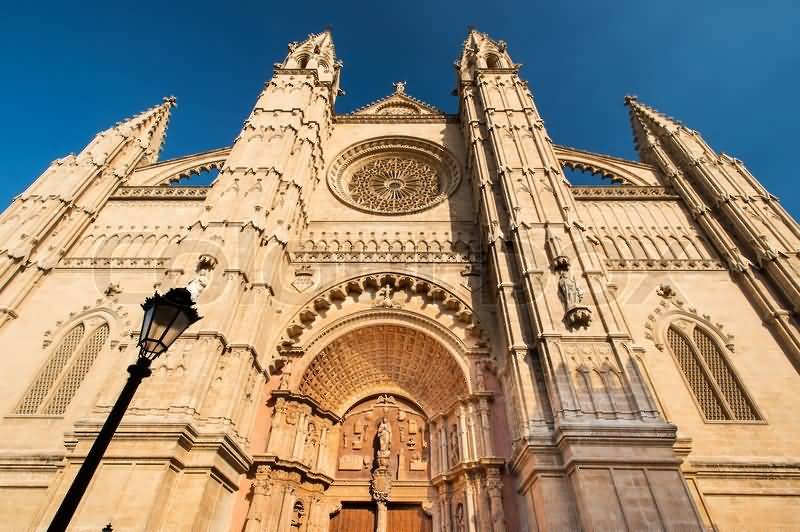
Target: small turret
{"points": [[481, 52]]}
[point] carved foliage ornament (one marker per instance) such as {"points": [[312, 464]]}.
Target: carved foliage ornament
{"points": [[393, 175]]}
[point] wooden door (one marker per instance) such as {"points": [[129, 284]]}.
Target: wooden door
{"points": [[354, 517], [408, 518]]}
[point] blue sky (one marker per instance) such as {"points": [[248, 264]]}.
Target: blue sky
{"points": [[730, 69]]}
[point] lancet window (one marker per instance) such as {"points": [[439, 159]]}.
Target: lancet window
{"points": [[68, 364], [708, 372]]}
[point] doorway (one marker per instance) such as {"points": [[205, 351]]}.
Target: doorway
{"points": [[360, 517]]}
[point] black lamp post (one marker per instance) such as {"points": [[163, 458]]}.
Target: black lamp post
{"points": [[165, 318]]}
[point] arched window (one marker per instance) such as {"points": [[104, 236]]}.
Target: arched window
{"points": [[492, 61], [711, 379], [63, 373]]}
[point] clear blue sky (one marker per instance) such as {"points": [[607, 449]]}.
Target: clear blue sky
{"points": [[730, 69]]}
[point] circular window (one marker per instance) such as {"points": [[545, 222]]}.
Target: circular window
{"points": [[393, 176]]}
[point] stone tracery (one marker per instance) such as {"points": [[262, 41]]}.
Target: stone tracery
{"points": [[394, 184], [393, 175]]}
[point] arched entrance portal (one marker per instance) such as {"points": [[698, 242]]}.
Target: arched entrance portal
{"points": [[388, 426]]}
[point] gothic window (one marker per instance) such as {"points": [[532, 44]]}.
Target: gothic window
{"points": [[711, 379], [492, 61], [393, 176], [59, 380]]}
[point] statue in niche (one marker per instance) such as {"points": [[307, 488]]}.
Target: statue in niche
{"points": [[286, 374], [480, 377], [460, 518], [454, 454], [384, 437], [312, 440], [570, 291]]}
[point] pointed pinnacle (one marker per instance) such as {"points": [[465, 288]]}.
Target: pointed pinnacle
{"points": [[645, 112]]}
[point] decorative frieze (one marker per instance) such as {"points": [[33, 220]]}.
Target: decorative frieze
{"points": [[89, 263], [160, 192], [385, 257], [664, 265], [623, 192]]}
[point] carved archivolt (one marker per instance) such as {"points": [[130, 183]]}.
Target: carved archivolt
{"points": [[382, 358], [368, 292], [393, 175]]}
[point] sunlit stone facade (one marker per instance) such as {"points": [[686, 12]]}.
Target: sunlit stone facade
{"points": [[411, 321]]}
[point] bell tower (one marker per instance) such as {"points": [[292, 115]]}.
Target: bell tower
{"points": [[562, 321]]}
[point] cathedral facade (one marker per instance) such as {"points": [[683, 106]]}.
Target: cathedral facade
{"points": [[412, 321]]}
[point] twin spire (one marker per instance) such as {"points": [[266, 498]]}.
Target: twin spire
{"points": [[317, 53]]}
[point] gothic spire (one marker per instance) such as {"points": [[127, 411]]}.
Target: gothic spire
{"points": [[148, 128], [648, 124]]}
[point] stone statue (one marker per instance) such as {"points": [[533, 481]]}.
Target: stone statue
{"points": [[454, 454], [399, 87], [384, 436], [205, 264], [384, 297], [460, 518], [570, 291]]}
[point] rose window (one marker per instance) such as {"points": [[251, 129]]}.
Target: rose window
{"points": [[393, 175], [394, 184]]}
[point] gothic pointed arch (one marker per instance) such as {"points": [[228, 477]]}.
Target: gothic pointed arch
{"points": [[702, 353]]}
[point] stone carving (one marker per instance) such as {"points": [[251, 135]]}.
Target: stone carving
{"points": [[298, 514], [460, 526], [286, 375], [311, 445], [303, 278], [384, 298], [570, 291], [415, 291], [394, 185], [577, 315], [112, 290], [666, 291], [384, 439], [393, 176], [351, 462], [386, 247], [173, 193], [454, 454], [205, 265]]}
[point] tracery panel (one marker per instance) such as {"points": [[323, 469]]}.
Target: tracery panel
{"points": [[61, 377], [47, 377], [711, 379]]}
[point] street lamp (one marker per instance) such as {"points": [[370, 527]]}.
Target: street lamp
{"points": [[165, 318]]}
